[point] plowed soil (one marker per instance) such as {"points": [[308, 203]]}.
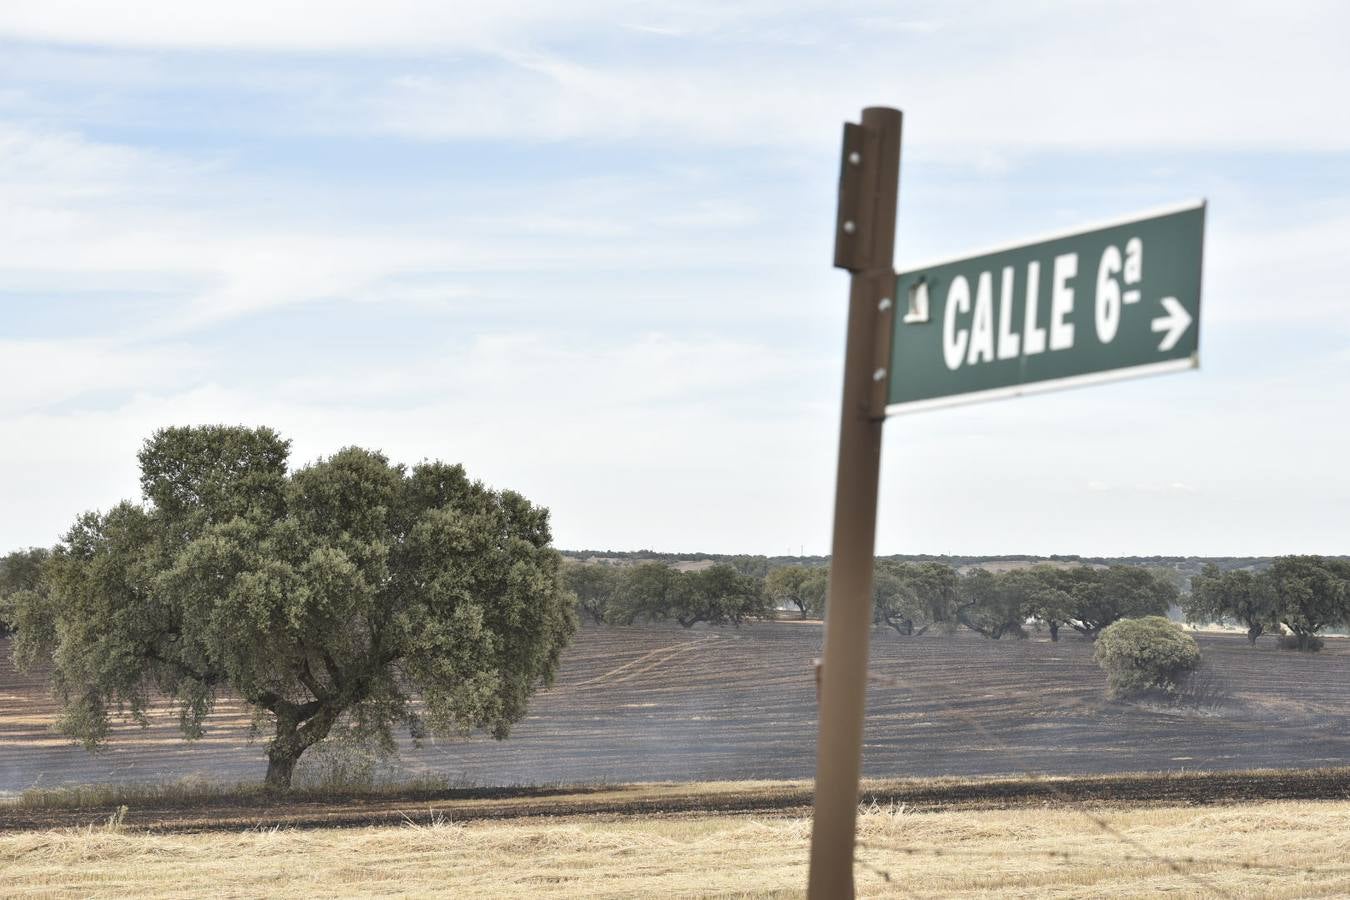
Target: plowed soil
{"points": [[664, 704]]}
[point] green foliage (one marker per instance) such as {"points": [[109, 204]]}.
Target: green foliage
{"points": [[1310, 593], [1145, 656], [1099, 597], [21, 574], [598, 589], [1304, 594], [913, 597], [348, 589], [1044, 596], [992, 604], [1238, 595], [744, 564], [648, 592], [718, 595], [1087, 599], [801, 586]]}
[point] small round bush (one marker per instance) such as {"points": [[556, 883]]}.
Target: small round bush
{"points": [[1146, 656]]}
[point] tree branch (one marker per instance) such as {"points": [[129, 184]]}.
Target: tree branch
{"points": [[306, 676], [208, 680]]}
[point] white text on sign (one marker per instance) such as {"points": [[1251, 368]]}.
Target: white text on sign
{"points": [[976, 329]]}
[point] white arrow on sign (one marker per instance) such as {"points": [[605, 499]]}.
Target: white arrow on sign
{"points": [[1174, 323]]}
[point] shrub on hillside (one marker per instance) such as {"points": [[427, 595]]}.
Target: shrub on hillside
{"points": [[1146, 656]]}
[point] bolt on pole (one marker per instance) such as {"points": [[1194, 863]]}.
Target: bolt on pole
{"points": [[865, 246]]}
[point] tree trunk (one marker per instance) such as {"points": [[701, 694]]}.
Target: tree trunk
{"points": [[1054, 631], [1253, 633], [298, 729], [280, 768], [902, 626], [284, 751]]}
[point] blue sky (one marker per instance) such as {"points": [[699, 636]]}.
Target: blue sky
{"points": [[585, 250]]}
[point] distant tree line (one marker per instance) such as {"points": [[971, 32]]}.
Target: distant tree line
{"points": [[910, 598], [760, 565], [655, 592], [1300, 594]]}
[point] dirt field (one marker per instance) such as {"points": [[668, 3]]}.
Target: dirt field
{"points": [[1267, 850], [664, 704]]}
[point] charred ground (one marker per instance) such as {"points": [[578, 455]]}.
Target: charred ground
{"points": [[664, 704]]}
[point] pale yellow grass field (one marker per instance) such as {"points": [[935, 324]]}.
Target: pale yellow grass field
{"points": [[1256, 850]]}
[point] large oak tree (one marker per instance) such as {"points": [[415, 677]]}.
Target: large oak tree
{"points": [[351, 587], [913, 597], [801, 586], [1241, 595], [1310, 593]]}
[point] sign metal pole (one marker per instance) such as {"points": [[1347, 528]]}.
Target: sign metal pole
{"points": [[865, 246], [1117, 300]]}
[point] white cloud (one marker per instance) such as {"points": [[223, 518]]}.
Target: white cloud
{"points": [[284, 24], [1182, 464], [219, 245], [597, 433], [1279, 272], [1139, 75], [40, 374], [648, 432], [972, 77], [657, 443]]}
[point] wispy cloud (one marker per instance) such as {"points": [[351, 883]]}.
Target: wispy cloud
{"points": [[585, 249]]}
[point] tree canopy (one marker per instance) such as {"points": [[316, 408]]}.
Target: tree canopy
{"points": [[1100, 597], [913, 597], [718, 595], [1310, 593], [351, 587], [1238, 594], [20, 574], [995, 605], [801, 586], [655, 592], [1302, 594], [599, 591]]}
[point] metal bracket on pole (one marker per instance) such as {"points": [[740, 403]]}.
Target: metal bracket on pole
{"points": [[864, 242], [865, 245], [884, 290]]}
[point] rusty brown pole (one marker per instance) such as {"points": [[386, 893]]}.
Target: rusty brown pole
{"points": [[864, 245]]}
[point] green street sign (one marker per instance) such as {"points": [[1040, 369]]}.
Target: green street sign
{"points": [[1112, 302]]}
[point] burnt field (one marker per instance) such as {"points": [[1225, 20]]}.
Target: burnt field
{"points": [[665, 704]]}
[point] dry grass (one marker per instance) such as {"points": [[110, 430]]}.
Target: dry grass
{"points": [[184, 793], [1266, 850]]}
